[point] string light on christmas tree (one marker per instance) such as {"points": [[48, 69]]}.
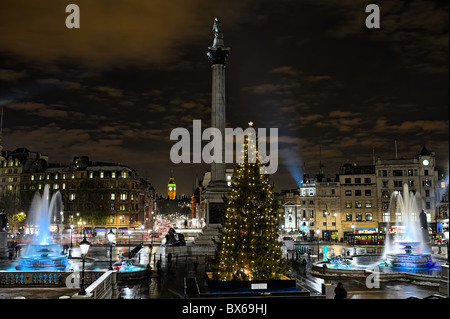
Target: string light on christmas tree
{"points": [[250, 224]]}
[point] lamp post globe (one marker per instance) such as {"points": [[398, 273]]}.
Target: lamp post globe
{"points": [[111, 238], [84, 247]]}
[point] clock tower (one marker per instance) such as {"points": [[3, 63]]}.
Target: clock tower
{"points": [[171, 187]]}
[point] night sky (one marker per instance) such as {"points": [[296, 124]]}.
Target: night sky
{"points": [[116, 87]]}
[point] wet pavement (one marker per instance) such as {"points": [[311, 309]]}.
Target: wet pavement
{"points": [[170, 283]]}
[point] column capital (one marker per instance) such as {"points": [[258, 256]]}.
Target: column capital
{"points": [[218, 55]]}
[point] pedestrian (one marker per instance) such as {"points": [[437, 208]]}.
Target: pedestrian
{"points": [[158, 267], [169, 260], [340, 292]]}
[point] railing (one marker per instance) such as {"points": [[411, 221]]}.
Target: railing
{"points": [[104, 287], [42, 278]]}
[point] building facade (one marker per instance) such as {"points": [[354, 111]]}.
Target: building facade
{"points": [[313, 209], [358, 193], [107, 195], [419, 173], [359, 199]]}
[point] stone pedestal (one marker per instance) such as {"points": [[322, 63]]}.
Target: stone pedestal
{"points": [[328, 290], [214, 205], [443, 286], [4, 251], [190, 250]]}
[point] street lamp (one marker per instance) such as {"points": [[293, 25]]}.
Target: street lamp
{"points": [[62, 217], [111, 237], [153, 228], [317, 232], [71, 246], [129, 243], [142, 233], [326, 225], [335, 225], [353, 234], [84, 247]]}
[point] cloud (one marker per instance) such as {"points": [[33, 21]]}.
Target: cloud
{"points": [[109, 91], [318, 78], [407, 127], [417, 31], [285, 70], [69, 85], [343, 121], [338, 113], [311, 118], [11, 75], [268, 88], [40, 109], [112, 32]]}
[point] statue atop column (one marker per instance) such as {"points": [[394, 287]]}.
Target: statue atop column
{"points": [[218, 53], [217, 29]]}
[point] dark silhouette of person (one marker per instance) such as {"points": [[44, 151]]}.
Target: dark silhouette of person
{"points": [[340, 292]]}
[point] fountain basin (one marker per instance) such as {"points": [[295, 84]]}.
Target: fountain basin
{"points": [[410, 260], [43, 257]]}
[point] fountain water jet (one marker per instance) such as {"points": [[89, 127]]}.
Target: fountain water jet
{"points": [[408, 250], [42, 254]]}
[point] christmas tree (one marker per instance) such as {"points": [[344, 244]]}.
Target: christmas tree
{"points": [[248, 247]]}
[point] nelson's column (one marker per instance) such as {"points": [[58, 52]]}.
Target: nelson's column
{"points": [[217, 187]]}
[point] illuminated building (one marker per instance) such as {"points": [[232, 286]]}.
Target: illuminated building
{"points": [[171, 187]]}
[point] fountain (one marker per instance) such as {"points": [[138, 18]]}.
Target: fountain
{"points": [[408, 250], [407, 256], [42, 255]]}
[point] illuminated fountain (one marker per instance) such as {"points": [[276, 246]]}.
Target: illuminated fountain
{"points": [[406, 257], [409, 250], [42, 254]]}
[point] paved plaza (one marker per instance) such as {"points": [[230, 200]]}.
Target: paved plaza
{"points": [[170, 282]]}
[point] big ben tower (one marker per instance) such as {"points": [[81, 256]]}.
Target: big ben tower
{"points": [[171, 187]]}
